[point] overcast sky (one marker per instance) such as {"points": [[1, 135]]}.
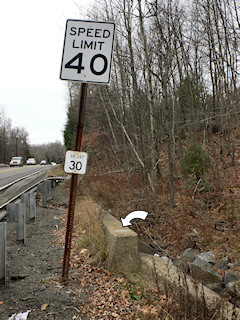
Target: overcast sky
{"points": [[32, 34]]}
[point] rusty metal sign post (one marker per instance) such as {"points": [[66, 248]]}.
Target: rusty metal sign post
{"points": [[87, 58], [73, 189]]}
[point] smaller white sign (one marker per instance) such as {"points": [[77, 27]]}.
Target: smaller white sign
{"points": [[75, 162]]}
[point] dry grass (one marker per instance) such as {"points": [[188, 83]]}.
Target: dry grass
{"points": [[88, 219], [56, 171]]}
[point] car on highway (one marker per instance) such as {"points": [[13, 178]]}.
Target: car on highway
{"points": [[31, 161], [16, 162], [43, 162], [53, 163]]}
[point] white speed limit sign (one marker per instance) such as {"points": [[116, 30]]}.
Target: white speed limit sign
{"points": [[75, 162], [87, 51]]}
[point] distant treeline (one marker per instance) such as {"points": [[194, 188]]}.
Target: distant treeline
{"points": [[14, 142], [53, 151]]}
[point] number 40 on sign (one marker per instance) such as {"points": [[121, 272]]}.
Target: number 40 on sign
{"points": [[75, 162]]}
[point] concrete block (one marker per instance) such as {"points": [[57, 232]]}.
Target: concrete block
{"points": [[122, 246]]}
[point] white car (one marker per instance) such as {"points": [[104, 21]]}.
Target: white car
{"points": [[43, 162], [16, 161], [31, 161]]}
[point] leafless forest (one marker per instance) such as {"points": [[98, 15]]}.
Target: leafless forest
{"points": [[174, 85], [13, 140]]}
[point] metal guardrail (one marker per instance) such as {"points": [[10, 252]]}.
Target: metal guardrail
{"points": [[19, 211], [18, 188], [20, 179], [29, 188], [18, 195]]}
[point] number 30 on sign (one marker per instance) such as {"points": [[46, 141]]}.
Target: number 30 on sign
{"points": [[75, 162]]}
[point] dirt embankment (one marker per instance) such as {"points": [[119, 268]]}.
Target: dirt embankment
{"points": [[34, 269]]}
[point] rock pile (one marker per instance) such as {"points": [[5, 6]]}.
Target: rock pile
{"points": [[219, 277]]}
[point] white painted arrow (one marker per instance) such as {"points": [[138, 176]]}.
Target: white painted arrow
{"points": [[133, 215]]}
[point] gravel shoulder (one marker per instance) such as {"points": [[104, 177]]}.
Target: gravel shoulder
{"points": [[34, 269]]}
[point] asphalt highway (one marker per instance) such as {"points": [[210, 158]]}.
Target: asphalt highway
{"points": [[9, 175]]}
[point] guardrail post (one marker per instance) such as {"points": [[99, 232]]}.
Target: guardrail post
{"points": [[11, 212], [49, 187], [3, 251], [40, 187], [53, 183], [46, 192], [21, 223], [32, 205], [25, 199]]}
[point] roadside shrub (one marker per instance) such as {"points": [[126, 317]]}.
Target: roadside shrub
{"points": [[195, 162]]}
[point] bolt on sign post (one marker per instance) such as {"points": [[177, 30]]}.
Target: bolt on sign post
{"points": [[87, 58]]}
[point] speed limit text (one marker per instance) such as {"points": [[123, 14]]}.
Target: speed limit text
{"points": [[90, 33]]}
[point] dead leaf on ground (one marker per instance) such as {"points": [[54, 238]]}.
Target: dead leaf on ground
{"points": [[44, 306], [83, 251]]}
